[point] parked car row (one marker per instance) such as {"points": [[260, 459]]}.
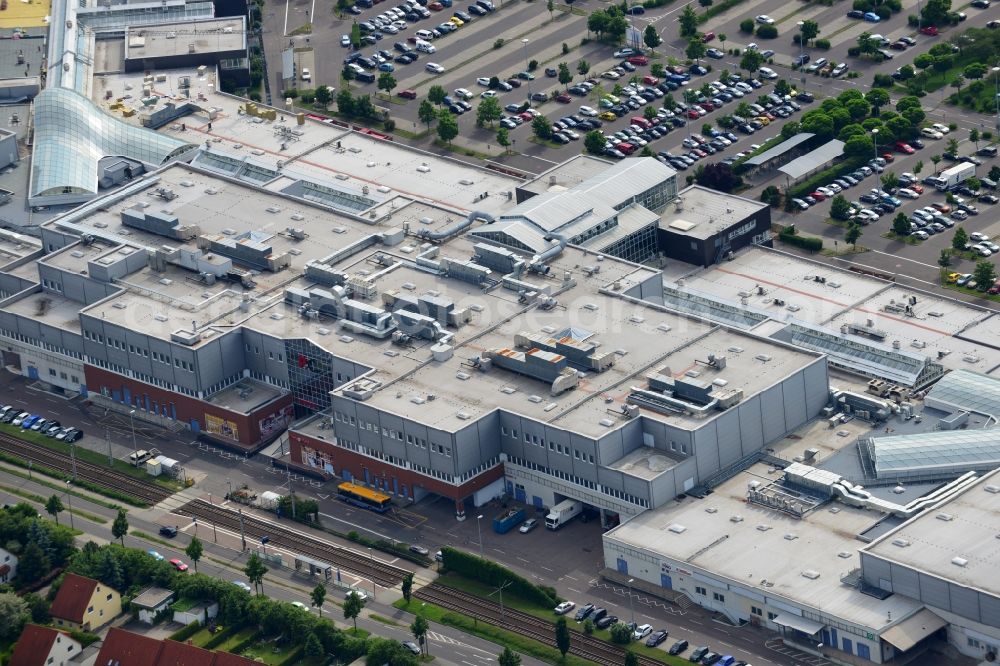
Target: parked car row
{"points": [[38, 423]]}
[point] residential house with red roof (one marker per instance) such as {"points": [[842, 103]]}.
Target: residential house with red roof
{"points": [[127, 649], [44, 646], [84, 603]]}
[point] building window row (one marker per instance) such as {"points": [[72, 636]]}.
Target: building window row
{"points": [[561, 449], [393, 460], [700, 590], [479, 469], [52, 284], [40, 343], [268, 379], [586, 483], [389, 433]]}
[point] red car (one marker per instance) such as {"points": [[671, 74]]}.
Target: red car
{"points": [[639, 60], [180, 566], [818, 196], [435, 6], [692, 114], [650, 80], [916, 187], [408, 94], [708, 106], [904, 147], [929, 30], [526, 117], [888, 157], [707, 37], [564, 98]]}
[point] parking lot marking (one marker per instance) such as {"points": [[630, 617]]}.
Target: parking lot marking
{"points": [[574, 590]]}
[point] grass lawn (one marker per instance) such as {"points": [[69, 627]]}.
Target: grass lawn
{"points": [[971, 292], [42, 500], [184, 604], [236, 639], [843, 224], [273, 654], [909, 240], [87, 455], [201, 637]]}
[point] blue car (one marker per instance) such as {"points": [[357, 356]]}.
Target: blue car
{"points": [[386, 67], [872, 17]]}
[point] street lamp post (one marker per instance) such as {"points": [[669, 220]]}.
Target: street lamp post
{"points": [[135, 448], [996, 82], [479, 528], [69, 498], [524, 44], [802, 52], [630, 606], [878, 179]]}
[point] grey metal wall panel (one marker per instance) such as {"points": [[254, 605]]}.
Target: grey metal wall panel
{"points": [[990, 609], [772, 412], [466, 452], [727, 433], [438, 461], [706, 451], [751, 425], [964, 601], [817, 382], [488, 428], [665, 487], [793, 392], [934, 591], [905, 581]]}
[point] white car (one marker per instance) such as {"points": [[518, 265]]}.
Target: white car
{"points": [[931, 133], [943, 129], [483, 80], [487, 94], [243, 586], [978, 237], [587, 111], [826, 191], [434, 67], [345, 41], [361, 593], [765, 19], [922, 235], [767, 73], [642, 631], [462, 93], [908, 193], [564, 607], [300, 606], [611, 75], [752, 46], [982, 250]]}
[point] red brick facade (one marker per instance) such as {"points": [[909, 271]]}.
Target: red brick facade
{"points": [[390, 476], [184, 408]]}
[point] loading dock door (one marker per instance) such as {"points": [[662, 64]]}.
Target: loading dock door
{"points": [[666, 581]]}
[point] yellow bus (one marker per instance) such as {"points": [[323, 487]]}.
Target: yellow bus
{"points": [[365, 498]]}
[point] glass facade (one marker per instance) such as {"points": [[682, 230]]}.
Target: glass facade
{"points": [[638, 247], [934, 452], [72, 134], [968, 391], [310, 376]]}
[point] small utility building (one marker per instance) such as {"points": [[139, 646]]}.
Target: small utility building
{"points": [[703, 226]]}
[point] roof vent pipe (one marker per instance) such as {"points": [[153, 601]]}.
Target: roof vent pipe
{"points": [[456, 228]]}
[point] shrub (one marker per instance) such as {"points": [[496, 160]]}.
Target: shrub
{"points": [[854, 51], [746, 25], [492, 573], [220, 637], [810, 243], [85, 638], [620, 633], [767, 32], [185, 632], [388, 124], [823, 44], [291, 92], [498, 44]]}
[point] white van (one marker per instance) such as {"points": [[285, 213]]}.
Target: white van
{"points": [[306, 76], [425, 35], [425, 47]]}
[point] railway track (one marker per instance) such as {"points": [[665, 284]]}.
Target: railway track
{"points": [[382, 573], [96, 474], [519, 622]]}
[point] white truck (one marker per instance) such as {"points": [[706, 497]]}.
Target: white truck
{"points": [[952, 176], [562, 513]]}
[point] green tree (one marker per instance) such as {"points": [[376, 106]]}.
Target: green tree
{"points": [[488, 112], [974, 71], [542, 127], [923, 61], [593, 141], [695, 49], [650, 37], [407, 587], [809, 30], [621, 633], [617, 27], [689, 22], [386, 82], [597, 22], [355, 35], [901, 224], [565, 76], [503, 139], [973, 183], [957, 83], [952, 146], [419, 630], [352, 607], [343, 6], [345, 102], [767, 31], [254, 571], [918, 167], [323, 95], [562, 636], [853, 234], [631, 659], [751, 61], [747, 25], [935, 159], [877, 98], [195, 549], [34, 563], [858, 109], [313, 648], [974, 136], [426, 112], [509, 658], [436, 94], [551, 7], [318, 596], [119, 528], [447, 127], [984, 274], [994, 173], [944, 259], [959, 239], [935, 12], [588, 627], [771, 196], [890, 180], [906, 72], [582, 67], [14, 614], [54, 507], [840, 208]]}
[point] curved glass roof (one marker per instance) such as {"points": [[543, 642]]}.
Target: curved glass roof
{"points": [[72, 134], [930, 452], [971, 391]]}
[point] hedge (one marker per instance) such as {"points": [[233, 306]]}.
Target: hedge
{"points": [[185, 632], [221, 637], [715, 10], [491, 573], [810, 243]]}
